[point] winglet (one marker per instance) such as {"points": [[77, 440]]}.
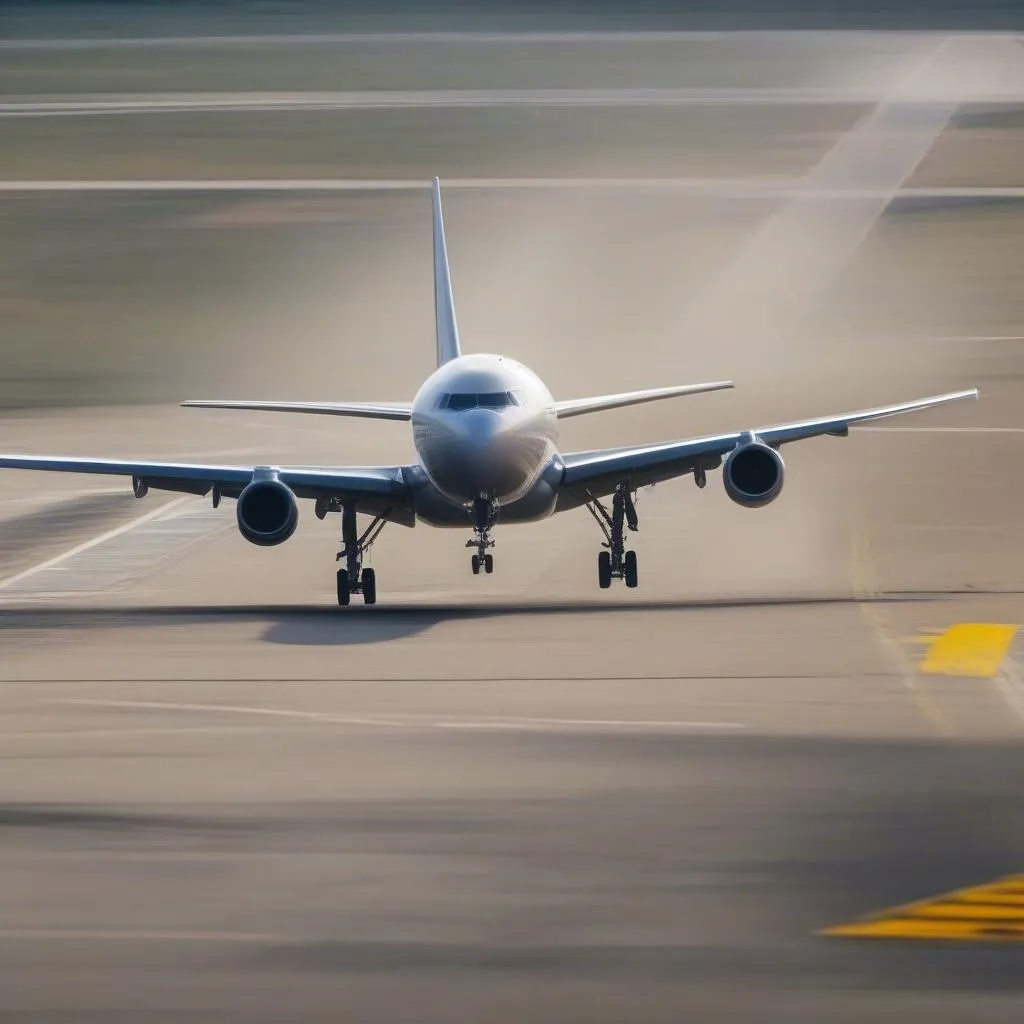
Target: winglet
{"points": [[444, 304]]}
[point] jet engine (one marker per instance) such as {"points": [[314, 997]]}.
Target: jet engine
{"points": [[753, 474], [267, 512]]}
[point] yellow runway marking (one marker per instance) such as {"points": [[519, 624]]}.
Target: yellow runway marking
{"points": [[969, 649], [984, 913]]}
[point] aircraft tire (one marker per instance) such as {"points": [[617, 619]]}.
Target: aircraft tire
{"points": [[604, 570], [344, 591], [369, 586], [630, 569]]}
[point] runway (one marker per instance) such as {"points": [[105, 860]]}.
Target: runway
{"points": [[516, 796]]}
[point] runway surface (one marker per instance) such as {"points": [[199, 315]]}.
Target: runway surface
{"points": [[516, 796]]}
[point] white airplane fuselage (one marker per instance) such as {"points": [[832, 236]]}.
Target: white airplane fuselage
{"points": [[484, 427]]}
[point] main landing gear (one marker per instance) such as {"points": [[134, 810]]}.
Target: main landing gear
{"points": [[353, 578], [616, 562], [485, 513]]}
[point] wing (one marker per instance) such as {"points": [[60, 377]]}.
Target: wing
{"points": [[366, 410], [378, 490], [591, 474], [579, 406]]}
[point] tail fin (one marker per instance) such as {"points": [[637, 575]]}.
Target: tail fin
{"points": [[444, 304]]}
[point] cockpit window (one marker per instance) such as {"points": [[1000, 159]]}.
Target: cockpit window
{"points": [[459, 402], [495, 400]]}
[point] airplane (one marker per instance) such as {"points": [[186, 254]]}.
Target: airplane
{"points": [[485, 429]]}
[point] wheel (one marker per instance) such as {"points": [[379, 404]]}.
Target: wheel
{"points": [[629, 569], [488, 564], [369, 586], [604, 570], [344, 591], [476, 565]]}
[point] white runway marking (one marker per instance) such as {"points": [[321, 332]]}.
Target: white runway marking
{"points": [[725, 185], [364, 38], [937, 430], [978, 337], [118, 935], [221, 709], [117, 555], [730, 188], [800, 249], [863, 572], [433, 99], [42, 499], [1010, 686], [599, 723], [89, 544], [108, 734], [408, 721]]}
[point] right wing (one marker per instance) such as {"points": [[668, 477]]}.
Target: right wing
{"points": [[377, 490], [579, 406], [593, 474], [366, 410]]}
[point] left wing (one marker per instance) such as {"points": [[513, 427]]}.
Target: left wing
{"points": [[378, 490], [579, 406], [592, 474], [366, 410]]}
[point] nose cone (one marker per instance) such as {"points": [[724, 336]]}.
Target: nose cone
{"points": [[478, 453], [478, 429], [487, 454]]}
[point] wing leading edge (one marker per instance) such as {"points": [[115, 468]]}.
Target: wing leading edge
{"points": [[598, 472], [580, 406], [364, 410], [375, 489]]}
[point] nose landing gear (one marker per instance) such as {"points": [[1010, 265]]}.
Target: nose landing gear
{"points": [[485, 512], [353, 578], [616, 562]]}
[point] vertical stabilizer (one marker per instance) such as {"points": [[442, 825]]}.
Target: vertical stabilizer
{"points": [[444, 303]]}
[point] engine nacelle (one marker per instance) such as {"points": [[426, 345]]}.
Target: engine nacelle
{"points": [[753, 474], [267, 512]]}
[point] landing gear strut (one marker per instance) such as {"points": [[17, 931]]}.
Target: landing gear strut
{"points": [[616, 562], [485, 512], [353, 578]]}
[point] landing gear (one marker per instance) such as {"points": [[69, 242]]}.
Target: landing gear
{"points": [[616, 563], [486, 563], [485, 513], [353, 578]]}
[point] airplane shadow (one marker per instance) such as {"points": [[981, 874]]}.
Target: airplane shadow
{"points": [[329, 626]]}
